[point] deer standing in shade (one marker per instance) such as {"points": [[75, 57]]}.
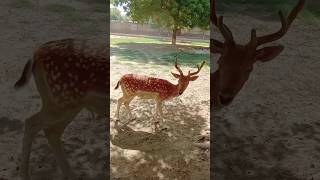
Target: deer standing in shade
{"points": [[153, 88], [70, 75], [236, 61]]}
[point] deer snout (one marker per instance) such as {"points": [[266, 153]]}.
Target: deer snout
{"points": [[180, 92]]}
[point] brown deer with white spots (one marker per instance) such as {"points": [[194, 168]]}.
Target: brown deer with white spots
{"points": [[236, 61], [160, 90], [70, 75]]}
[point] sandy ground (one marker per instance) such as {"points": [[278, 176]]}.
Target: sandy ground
{"points": [[24, 28], [272, 129], [137, 151]]}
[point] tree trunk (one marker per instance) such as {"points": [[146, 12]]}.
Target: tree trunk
{"points": [[174, 36]]}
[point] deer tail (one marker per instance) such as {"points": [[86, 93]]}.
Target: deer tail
{"points": [[26, 74], [117, 86]]}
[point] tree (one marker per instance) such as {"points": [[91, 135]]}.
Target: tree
{"points": [[171, 14], [115, 14]]}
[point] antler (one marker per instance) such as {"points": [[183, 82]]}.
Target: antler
{"points": [[285, 24], [218, 22], [177, 67], [199, 68]]}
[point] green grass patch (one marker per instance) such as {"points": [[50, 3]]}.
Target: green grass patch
{"points": [[154, 51], [152, 40]]}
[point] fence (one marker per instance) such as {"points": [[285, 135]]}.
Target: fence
{"points": [[147, 29]]}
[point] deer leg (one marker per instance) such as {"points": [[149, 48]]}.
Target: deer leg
{"points": [[32, 127], [126, 103], [159, 106], [120, 101], [54, 135], [158, 110]]}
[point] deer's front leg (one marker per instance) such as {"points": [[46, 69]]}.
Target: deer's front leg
{"points": [[159, 109]]}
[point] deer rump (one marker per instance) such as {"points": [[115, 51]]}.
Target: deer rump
{"points": [[71, 70]]}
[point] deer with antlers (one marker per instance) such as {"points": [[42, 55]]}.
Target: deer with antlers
{"points": [[236, 61], [70, 75], [153, 88]]}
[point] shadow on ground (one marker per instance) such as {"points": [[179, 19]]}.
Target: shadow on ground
{"points": [[248, 158], [160, 54], [85, 142], [168, 154]]}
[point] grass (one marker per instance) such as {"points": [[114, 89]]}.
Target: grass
{"points": [[153, 40], [156, 51]]}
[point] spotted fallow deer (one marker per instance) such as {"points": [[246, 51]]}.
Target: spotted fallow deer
{"points": [[236, 61], [70, 75], [153, 88]]}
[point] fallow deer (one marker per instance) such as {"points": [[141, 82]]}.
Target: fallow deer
{"points": [[160, 90], [70, 75], [236, 61]]}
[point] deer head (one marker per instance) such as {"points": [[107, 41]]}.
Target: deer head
{"points": [[236, 61], [183, 80]]}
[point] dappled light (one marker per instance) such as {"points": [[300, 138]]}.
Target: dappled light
{"points": [[178, 147], [169, 153]]}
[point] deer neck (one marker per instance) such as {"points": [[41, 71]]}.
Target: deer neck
{"points": [[175, 91]]}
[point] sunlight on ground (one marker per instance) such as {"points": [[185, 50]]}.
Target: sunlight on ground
{"points": [[137, 151]]}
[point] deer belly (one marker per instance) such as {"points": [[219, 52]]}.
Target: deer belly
{"points": [[147, 95]]}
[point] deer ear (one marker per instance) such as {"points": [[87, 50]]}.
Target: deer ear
{"points": [[192, 78], [175, 75], [268, 53]]}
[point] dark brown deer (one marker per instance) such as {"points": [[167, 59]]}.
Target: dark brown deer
{"points": [[236, 61], [70, 75]]}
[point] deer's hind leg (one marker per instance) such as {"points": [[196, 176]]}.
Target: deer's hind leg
{"points": [[32, 126], [54, 134], [125, 99], [126, 103], [120, 101]]}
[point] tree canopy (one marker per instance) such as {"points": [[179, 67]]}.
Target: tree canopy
{"points": [[171, 14]]}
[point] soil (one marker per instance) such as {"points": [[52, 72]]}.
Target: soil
{"points": [[24, 26], [181, 151]]}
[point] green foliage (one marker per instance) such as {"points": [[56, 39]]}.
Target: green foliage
{"points": [[171, 14], [115, 14]]}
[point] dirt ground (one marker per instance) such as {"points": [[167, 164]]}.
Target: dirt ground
{"points": [[24, 26], [272, 129], [137, 151]]}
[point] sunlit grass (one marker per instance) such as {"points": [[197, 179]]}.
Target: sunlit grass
{"points": [[156, 51], [115, 40]]}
